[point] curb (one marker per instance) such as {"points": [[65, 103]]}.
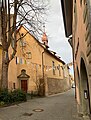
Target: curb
{"points": [[58, 93]]}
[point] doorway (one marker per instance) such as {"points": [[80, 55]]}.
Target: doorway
{"points": [[78, 86], [84, 89], [24, 85]]}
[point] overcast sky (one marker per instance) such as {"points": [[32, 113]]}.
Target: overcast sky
{"points": [[55, 31]]}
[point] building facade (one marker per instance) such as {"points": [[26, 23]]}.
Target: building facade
{"points": [[77, 22], [36, 68]]}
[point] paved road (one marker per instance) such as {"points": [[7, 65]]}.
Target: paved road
{"points": [[59, 107]]}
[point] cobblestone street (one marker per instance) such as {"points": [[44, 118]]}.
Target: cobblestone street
{"points": [[58, 107]]}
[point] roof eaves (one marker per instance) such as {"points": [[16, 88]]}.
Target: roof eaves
{"points": [[43, 46], [67, 16], [64, 19], [48, 51]]}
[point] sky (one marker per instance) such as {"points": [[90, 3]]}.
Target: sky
{"points": [[55, 32], [54, 27]]}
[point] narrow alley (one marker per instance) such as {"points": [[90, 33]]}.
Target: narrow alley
{"points": [[58, 107]]}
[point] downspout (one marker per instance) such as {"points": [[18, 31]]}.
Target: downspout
{"points": [[43, 64], [74, 62], [43, 72]]}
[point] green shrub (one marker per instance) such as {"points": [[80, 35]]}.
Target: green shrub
{"points": [[12, 96], [5, 96], [2, 103], [18, 95]]}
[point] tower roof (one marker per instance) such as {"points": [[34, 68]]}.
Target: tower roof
{"points": [[44, 37]]}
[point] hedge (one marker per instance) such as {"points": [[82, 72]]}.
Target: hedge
{"points": [[8, 97]]}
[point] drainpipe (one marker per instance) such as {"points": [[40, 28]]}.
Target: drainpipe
{"points": [[43, 64], [73, 49], [73, 53], [43, 72]]}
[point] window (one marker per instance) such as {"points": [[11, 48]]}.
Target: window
{"points": [[75, 17], [59, 70], [81, 2], [22, 43], [22, 34], [53, 67], [14, 86], [84, 1], [28, 55]]}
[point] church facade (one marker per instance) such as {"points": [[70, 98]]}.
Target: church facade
{"points": [[36, 68]]}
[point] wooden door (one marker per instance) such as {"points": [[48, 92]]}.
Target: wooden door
{"points": [[24, 85]]}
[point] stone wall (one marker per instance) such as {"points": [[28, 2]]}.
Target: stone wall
{"points": [[57, 85]]}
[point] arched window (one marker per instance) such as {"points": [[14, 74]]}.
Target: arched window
{"points": [[81, 2]]}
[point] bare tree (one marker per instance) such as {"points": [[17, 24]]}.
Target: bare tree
{"points": [[39, 82], [14, 13]]}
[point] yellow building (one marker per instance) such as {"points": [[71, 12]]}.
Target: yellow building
{"points": [[35, 68]]}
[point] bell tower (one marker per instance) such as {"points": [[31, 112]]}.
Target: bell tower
{"points": [[44, 37]]}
